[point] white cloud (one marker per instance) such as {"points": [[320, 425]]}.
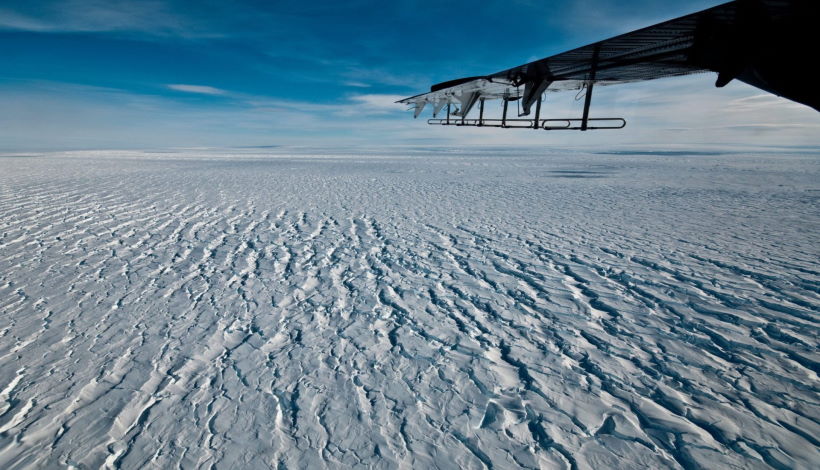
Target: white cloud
{"points": [[53, 115], [200, 89], [381, 102], [356, 105], [686, 112], [761, 103], [150, 16], [358, 73]]}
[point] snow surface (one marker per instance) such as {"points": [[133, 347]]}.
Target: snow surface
{"points": [[413, 309]]}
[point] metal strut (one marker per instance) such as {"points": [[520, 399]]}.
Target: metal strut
{"points": [[576, 124], [588, 100]]}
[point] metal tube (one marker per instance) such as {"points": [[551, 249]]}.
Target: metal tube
{"points": [[537, 113], [448, 114], [587, 102], [481, 112], [504, 116], [591, 82]]}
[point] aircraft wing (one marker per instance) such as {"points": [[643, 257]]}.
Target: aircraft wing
{"points": [[735, 39]]}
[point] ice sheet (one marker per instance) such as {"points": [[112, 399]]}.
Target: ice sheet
{"points": [[437, 308]]}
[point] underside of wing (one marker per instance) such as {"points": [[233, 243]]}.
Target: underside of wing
{"points": [[726, 39], [658, 51]]}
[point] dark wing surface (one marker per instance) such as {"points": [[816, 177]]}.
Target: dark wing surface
{"points": [[765, 43]]}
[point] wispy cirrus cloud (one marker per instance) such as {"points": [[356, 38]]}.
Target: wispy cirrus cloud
{"points": [[198, 89], [761, 102], [378, 102], [373, 104], [356, 84], [150, 16], [71, 116]]}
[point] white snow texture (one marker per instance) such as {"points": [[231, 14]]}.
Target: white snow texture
{"points": [[431, 308]]}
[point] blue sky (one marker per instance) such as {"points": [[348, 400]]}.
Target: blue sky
{"points": [[164, 73]]}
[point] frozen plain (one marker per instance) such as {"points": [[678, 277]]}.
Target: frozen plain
{"points": [[414, 309]]}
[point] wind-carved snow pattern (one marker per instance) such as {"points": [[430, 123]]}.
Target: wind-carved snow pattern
{"points": [[435, 309]]}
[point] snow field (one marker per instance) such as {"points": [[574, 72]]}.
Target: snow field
{"points": [[436, 309]]}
